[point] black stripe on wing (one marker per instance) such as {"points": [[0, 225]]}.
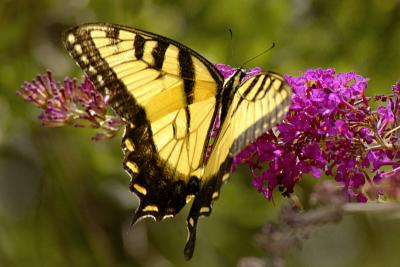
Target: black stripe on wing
{"points": [[138, 46], [159, 54]]}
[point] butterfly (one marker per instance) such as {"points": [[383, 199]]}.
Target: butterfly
{"points": [[169, 97]]}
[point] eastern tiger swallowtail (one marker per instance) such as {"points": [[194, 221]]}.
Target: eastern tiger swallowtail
{"points": [[169, 97]]}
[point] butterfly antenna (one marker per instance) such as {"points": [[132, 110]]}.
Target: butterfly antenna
{"points": [[231, 44], [260, 54]]}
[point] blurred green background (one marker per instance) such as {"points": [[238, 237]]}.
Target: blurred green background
{"points": [[64, 200]]}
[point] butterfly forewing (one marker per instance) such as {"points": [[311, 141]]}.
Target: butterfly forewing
{"points": [[150, 67], [168, 96]]}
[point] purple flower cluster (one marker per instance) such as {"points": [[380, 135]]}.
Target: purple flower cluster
{"points": [[330, 129], [69, 103]]}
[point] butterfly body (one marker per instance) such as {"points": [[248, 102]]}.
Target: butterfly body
{"points": [[170, 96]]}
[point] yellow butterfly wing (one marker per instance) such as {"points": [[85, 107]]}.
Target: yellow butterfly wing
{"points": [[168, 96], [258, 104]]}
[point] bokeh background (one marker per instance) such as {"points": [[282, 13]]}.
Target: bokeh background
{"points": [[64, 200]]}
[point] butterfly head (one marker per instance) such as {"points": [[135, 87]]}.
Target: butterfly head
{"points": [[234, 80]]}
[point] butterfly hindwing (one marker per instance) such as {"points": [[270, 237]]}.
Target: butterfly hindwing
{"points": [[169, 176], [258, 104]]}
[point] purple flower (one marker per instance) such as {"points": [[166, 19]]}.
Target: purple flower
{"points": [[69, 103], [225, 70], [329, 130], [378, 158], [252, 72], [361, 198], [342, 128], [287, 132], [396, 88], [316, 172], [385, 114]]}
